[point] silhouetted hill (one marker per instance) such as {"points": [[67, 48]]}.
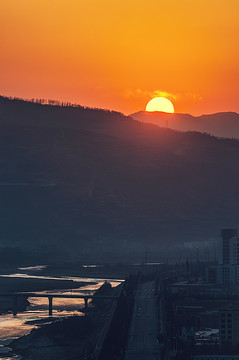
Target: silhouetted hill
{"points": [[225, 124], [99, 185]]}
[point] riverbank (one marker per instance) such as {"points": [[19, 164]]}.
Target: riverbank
{"points": [[64, 339], [97, 271]]}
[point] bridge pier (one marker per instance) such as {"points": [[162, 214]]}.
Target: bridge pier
{"points": [[86, 303], [14, 309], [50, 305]]}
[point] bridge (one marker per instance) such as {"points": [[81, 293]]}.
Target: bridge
{"points": [[51, 296]]}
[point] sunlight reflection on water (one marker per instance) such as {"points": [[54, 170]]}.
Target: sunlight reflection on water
{"points": [[12, 327], [33, 268], [73, 278]]}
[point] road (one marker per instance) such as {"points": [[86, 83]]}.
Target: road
{"points": [[142, 342]]}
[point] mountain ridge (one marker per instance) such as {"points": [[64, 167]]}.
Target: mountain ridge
{"points": [[221, 124]]}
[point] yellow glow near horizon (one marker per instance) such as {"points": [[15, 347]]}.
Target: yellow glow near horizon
{"points": [[119, 54], [160, 104]]}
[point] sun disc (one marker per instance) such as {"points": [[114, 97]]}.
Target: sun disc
{"points": [[160, 104]]}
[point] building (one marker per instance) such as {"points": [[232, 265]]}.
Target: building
{"points": [[229, 326], [228, 267], [227, 274], [225, 244]]}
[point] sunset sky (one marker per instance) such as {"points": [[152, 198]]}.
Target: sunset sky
{"points": [[118, 54]]}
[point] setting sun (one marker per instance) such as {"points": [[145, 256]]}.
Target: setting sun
{"points": [[160, 104]]}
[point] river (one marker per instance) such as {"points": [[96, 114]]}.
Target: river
{"points": [[12, 327]]}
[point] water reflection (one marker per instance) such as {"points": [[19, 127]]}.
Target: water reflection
{"points": [[73, 278], [15, 357], [33, 268], [12, 327]]}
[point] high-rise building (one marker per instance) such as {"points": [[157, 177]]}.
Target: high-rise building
{"points": [[229, 326], [225, 246], [228, 268]]}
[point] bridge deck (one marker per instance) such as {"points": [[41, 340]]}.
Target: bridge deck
{"points": [[65, 296]]}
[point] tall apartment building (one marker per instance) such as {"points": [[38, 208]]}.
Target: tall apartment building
{"points": [[225, 250], [229, 326], [228, 268]]}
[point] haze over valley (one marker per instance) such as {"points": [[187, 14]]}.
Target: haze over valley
{"points": [[79, 182]]}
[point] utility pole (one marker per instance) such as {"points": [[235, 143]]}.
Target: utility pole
{"points": [[187, 279]]}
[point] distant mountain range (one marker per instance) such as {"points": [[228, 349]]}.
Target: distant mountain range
{"points": [[224, 124], [100, 186]]}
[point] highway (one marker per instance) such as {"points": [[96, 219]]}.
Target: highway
{"points": [[142, 341]]}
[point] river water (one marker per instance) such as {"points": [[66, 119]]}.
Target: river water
{"points": [[12, 327]]}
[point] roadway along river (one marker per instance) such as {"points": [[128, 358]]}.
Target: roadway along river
{"points": [[142, 342]]}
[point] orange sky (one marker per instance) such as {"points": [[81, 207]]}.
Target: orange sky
{"points": [[118, 54]]}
